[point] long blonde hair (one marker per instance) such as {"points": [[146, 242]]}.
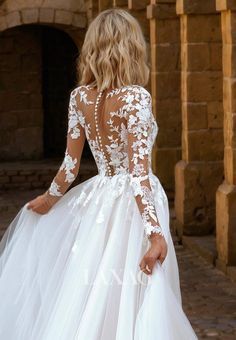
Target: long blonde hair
{"points": [[114, 52]]}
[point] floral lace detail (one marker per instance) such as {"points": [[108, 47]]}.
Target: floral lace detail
{"points": [[75, 141], [124, 148], [142, 131], [54, 189], [68, 165]]}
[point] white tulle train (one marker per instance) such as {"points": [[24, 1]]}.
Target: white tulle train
{"points": [[74, 272]]}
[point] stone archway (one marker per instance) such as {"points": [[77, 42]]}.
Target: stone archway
{"points": [[16, 13], [38, 71]]}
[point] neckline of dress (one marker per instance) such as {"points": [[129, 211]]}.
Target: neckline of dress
{"points": [[113, 89]]}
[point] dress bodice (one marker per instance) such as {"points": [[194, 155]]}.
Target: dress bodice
{"points": [[107, 117], [120, 129]]}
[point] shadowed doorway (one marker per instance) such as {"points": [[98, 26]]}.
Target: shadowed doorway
{"points": [[59, 54]]}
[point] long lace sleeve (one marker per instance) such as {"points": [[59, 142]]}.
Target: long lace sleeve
{"points": [[75, 143], [140, 140]]}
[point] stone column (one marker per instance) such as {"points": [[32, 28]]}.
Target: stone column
{"points": [[165, 85], [226, 193], [200, 171]]}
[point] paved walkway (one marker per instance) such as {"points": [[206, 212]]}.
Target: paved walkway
{"points": [[209, 297]]}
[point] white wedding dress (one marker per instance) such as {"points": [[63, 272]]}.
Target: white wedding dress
{"points": [[73, 273]]}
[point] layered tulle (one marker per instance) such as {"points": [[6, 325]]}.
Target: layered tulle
{"points": [[74, 272]]}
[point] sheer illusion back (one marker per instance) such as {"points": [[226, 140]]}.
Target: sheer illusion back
{"points": [[121, 130]]}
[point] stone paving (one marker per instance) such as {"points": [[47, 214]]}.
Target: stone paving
{"points": [[209, 297]]}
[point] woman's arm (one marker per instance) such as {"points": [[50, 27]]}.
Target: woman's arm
{"points": [[139, 127], [70, 166]]}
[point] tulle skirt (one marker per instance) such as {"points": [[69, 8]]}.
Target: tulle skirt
{"points": [[74, 272]]}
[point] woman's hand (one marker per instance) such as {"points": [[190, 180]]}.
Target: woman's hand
{"points": [[42, 204], [157, 251]]}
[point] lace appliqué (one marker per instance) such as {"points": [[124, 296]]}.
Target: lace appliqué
{"points": [[83, 95], [68, 165], [141, 126], [148, 202], [54, 189]]}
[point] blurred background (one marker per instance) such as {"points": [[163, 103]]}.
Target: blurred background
{"points": [[192, 55]]}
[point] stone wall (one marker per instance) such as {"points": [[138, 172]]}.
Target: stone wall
{"points": [[200, 171], [165, 81], [38, 174], [20, 94]]}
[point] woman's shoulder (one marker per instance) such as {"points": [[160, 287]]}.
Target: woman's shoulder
{"points": [[81, 93]]}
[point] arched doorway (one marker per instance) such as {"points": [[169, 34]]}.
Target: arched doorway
{"points": [[37, 73]]}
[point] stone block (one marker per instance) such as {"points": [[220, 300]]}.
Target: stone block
{"points": [[167, 31], [165, 159], [195, 7], [26, 150], [12, 172], [215, 114], [75, 5], [215, 56], [167, 85], [46, 15], [15, 101], [161, 11], [30, 15], [194, 116], [120, 3], [198, 57], [8, 120], [104, 4], [9, 62], [6, 44], [28, 118], [195, 185], [169, 114], [79, 20], [168, 137], [167, 57], [63, 17], [29, 62], [3, 24], [136, 4], [4, 179], [13, 19], [18, 179], [19, 4], [205, 145], [225, 223], [203, 86], [203, 28], [35, 100]]}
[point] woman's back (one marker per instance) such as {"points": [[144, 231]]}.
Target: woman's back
{"points": [[108, 117]]}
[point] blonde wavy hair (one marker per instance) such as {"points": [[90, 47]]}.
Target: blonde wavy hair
{"points": [[114, 52]]}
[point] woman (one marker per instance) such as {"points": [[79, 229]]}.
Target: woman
{"points": [[92, 263]]}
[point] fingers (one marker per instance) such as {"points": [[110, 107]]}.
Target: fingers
{"points": [[38, 205], [144, 267], [147, 264]]}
